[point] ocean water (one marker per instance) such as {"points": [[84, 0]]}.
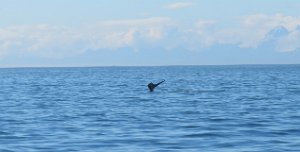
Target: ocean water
{"points": [[253, 108]]}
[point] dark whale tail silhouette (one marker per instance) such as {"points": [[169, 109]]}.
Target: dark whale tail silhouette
{"points": [[151, 85]]}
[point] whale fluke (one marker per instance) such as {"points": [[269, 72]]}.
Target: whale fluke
{"points": [[151, 85]]}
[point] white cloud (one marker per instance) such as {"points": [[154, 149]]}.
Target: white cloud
{"points": [[42, 40], [121, 33], [136, 22], [205, 23], [289, 43], [268, 22], [179, 5], [249, 31], [254, 28], [161, 32], [58, 41]]}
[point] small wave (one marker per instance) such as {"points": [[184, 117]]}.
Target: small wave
{"points": [[3, 133], [205, 134], [6, 150], [220, 119]]}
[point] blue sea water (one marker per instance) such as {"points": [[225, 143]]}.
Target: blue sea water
{"points": [[249, 108]]}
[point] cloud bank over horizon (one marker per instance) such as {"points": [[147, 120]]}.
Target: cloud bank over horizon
{"points": [[82, 33], [52, 41]]}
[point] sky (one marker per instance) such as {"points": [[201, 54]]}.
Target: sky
{"points": [[63, 33]]}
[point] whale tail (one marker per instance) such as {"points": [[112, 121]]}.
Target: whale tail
{"points": [[151, 85], [160, 82]]}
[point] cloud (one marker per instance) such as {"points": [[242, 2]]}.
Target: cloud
{"points": [[255, 28], [290, 42], [59, 41], [179, 5], [251, 31], [136, 22], [42, 40], [129, 33], [269, 22], [280, 32]]}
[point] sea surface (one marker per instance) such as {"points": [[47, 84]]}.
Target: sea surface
{"points": [[241, 108]]}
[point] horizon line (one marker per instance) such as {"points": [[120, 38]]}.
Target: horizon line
{"points": [[99, 66]]}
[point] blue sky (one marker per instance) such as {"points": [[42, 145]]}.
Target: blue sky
{"points": [[148, 32]]}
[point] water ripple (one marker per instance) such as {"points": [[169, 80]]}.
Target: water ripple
{"points": [[198, 108]]}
